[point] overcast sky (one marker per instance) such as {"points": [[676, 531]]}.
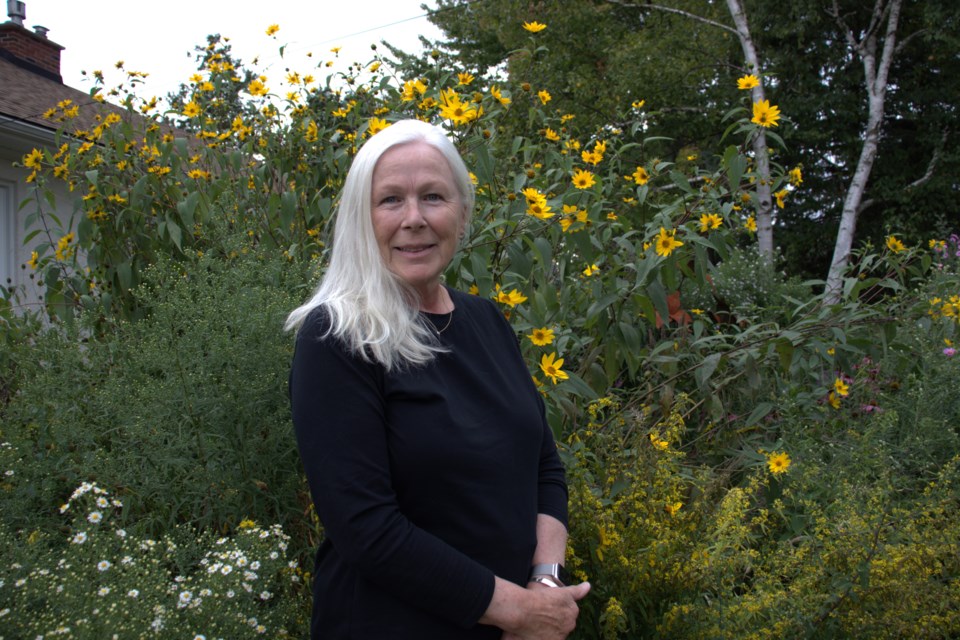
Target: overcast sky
{"points": [[158, 37]]}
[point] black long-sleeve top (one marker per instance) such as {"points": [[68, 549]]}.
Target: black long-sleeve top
{"points": [[428, 480]]}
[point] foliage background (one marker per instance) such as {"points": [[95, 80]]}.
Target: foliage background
{"points": [[743, 459]]}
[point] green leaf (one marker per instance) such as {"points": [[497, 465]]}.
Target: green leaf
{"points": [[759, 412], [703, 372]]}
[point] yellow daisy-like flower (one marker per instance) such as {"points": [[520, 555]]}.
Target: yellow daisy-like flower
{"points": [[551, 367], [541, 337], [191, 109], [474, 290], [748, 82], [591, 270], [672, 507], [539, 209], [376, 125], [551, 135], [534, 27], [454, 109], [34, 256], [511, 299], [33, 159], [780, 197], [198, 174], [583, 179], [544, 96], [750, 224], [841, 388], [834, 400], [666, 242], [778, 463], [894, 244], [532, 195], [272, 29], [710, 221], [640, 176], [765, 114], [498, 96], [257, 88], [411, 89], [464, 78]]}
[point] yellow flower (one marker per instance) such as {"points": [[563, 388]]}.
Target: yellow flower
{"points": [[841, 388], [539, 209], [672, 507], [778, 462], [257, 88], [550, 134], [191, 110], [748, 82], [272, 29], [640, 176], [658, 443], [544, 96], [474, 290], [583, 179], [638, 104], [246, 524], [411, 89], [464, 78], [33, 260], [454, 109], [750, 225], [335, 49], [780, 197], [374, 66], [666, 242], [796, 176], [710, 221], [376, 125], [894, 244], [534, 27], [765, 114], [834, 400], [541, 337], [64, 250], [33, 159], [198, 174], [498, 96], [511, 299], [550, 365], [592, 270]]}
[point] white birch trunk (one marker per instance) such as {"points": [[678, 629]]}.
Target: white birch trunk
{"points": [[760, 149], [875, 78]]}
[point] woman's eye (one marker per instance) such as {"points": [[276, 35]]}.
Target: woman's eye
{"points": [[433, 197]]}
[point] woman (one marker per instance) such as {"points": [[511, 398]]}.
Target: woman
{"points": [[423, 438]]}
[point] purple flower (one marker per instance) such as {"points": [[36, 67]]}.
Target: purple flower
{"points": [[949, 352]]}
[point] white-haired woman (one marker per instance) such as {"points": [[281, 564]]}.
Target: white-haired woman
{"points": [[423, 438]]}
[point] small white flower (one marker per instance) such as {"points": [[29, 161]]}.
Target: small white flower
{"points": [[4, 612], [80, 538], [255, 565], [206, 593], [64, 507], [103, 591], [20, 582], [226, 569], [122, 533], [199, 637], [265, 595], [252, 622], [293, 564], [8, 472], [102, 502], [261, 628], [247, 587], [230, 593], [116, 503], [249, 575], [95, 517], [103, 565], [185, 597], [133, 593], [241, 561], [274, 555], [126, 560]]}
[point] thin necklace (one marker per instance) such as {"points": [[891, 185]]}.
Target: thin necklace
{"points": [[446, 326]]}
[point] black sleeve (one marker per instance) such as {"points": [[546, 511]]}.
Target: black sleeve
{"points": [[338, 415]]}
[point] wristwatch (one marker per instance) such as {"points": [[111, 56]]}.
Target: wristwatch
{"points": [[552, 575]]}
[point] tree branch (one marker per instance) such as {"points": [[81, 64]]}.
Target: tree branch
{"points": [[934, 161], [679, 12]]}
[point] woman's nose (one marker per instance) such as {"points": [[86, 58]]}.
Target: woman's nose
{"points": [[412, 216]]}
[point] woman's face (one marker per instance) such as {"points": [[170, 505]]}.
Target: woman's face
{"points": [[418, 214]]}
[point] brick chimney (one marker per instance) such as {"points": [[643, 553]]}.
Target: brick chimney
{"points": [[31, 50]]}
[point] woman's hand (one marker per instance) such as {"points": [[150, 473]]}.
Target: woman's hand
{"points": [[536, 613]]}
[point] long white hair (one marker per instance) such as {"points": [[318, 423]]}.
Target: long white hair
{"points": [[371, 310]]}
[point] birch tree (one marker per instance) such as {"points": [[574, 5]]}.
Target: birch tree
{"points": [[880, 37]]}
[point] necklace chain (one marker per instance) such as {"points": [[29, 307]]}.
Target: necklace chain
{"points": [[446, 326]]}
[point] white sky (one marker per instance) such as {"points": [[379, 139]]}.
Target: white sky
{"points": [[159, 37]]}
